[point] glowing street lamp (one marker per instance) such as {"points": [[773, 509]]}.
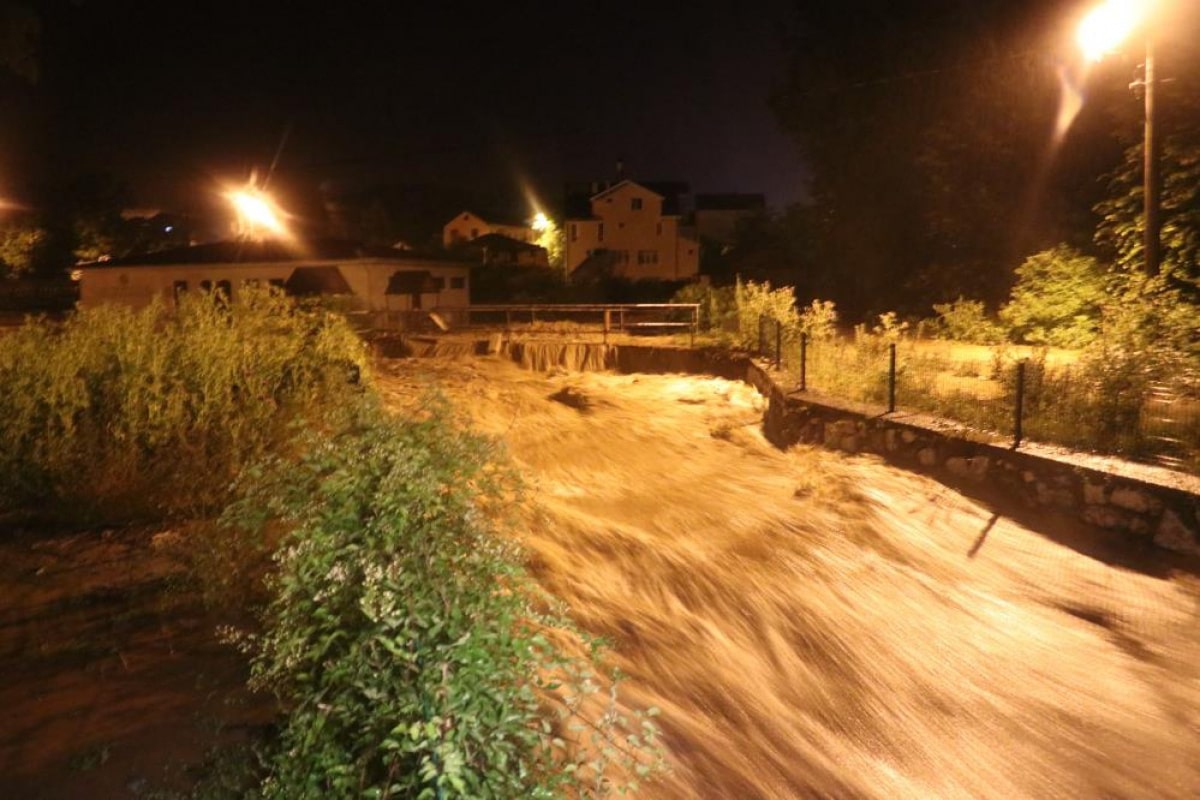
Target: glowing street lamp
{"points": [[1101, 32], [540, 222], [256, 212]]}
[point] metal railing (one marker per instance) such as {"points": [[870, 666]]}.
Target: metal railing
{"points": [[601, 318], [1003, 394]]}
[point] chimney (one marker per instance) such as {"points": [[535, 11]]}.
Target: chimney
{"points": [[620, 170]]}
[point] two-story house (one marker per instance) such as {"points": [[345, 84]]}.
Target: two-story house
{"points": [[629, 229]]}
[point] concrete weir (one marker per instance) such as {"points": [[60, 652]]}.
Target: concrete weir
{"points": [[1150, 504]]}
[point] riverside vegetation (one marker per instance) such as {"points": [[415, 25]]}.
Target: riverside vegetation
{"points": [[1110, 361], [411, 655]]}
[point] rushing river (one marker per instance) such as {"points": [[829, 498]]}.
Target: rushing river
{"points": [[818, 625]]}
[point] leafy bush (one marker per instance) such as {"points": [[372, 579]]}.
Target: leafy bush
{"points": [[1057, 300], [718, 306], [757, 302], [966, 321], [407, 649], [118, 414], [819, 320]]}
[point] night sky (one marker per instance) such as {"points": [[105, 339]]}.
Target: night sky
{"points": [[173, 97], [176, 97]]}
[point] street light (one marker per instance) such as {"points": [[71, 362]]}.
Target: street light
{"points": [[256, 211], [1101, 32]]}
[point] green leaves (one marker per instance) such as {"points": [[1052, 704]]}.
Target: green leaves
{"points": [[402, 637], [119, 413]]}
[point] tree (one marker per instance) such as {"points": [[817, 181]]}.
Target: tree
{"points": [[1122, 226], [928, 127], [1058, 299], [19, 245], [20, 31]]}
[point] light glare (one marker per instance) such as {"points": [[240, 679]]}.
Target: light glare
{"points": [[256, 210], [1109, 24]]}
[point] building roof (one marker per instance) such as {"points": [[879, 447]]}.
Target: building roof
{"points": [[500, 242], [579, 198], [491, 219], [271, 250], [731, 201]]}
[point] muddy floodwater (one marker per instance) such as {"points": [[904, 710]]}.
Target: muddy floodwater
{"points": [[818, 625]]}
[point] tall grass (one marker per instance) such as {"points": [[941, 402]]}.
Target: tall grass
{"points": [[118, 414]]}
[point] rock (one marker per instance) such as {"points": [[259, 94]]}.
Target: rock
{"points": [[1174, 535], [889, 441], [1093, 494], [1105, 517], [1134, 500], [1061, 498], [908, 437], [573, 398], [927, 457], [850, 444]]}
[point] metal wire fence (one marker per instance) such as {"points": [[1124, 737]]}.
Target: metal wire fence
{"points": [[1004, 394]]}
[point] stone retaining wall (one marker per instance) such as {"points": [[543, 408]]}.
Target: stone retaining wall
{"points": [[1152, 503]]}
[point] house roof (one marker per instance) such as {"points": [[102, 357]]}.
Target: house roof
{"points": [[498, 241], [622, 184], [271, 250], [491, 219]]}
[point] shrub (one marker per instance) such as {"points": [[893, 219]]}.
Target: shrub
{"points": [[405, 646], [966, 321], [1057, 299], [757, 302], [119, 414], [718, 306], [819, 320]]}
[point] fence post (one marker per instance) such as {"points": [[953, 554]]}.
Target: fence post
{"points": [[891, 377], [762, 344], [803, 361], [607, 323], [695, 324], [778, 345], [1019, 411]]}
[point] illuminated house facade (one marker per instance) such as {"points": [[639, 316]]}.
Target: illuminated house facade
{"points": [[633, 234], [367, 279], [468, 226]]}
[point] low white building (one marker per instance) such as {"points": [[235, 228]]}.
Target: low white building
{"points": [[367, 279]]}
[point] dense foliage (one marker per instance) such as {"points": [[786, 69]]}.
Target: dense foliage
{"points": [[405, 645], [119, 413], [1057, 299]]}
